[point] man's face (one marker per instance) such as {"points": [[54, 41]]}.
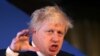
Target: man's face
{"points": [[49, 38]]}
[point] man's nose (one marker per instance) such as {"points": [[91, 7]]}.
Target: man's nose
{"points": [[55, 37]]}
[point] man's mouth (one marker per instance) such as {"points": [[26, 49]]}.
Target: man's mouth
{"points": [[53, 48]]}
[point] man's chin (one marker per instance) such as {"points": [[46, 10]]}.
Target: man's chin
{"points": [[53, 53]]}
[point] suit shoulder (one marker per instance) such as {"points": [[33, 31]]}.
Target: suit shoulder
{"points": [[2, 52], [62, 53]]}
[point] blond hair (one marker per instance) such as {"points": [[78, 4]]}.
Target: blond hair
{"points": [[40, 15]]}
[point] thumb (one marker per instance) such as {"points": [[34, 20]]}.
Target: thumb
{"points": [[30, 48], [33, 48]]}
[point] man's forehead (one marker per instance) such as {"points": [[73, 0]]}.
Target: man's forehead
{"points": [[55, 24], [56, 18]]}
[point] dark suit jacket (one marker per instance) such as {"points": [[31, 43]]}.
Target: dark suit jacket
{"points": [[30, 53]]}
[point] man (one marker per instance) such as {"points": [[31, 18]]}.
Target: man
{"points": [[47, 28]]}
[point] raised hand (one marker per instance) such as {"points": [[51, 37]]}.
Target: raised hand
{"points": [[21, 42]]}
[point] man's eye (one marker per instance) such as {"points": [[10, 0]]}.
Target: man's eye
{"points": [[50, 31], [59, 32]]}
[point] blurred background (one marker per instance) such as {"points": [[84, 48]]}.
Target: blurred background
{"points": [[82, 39]]}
